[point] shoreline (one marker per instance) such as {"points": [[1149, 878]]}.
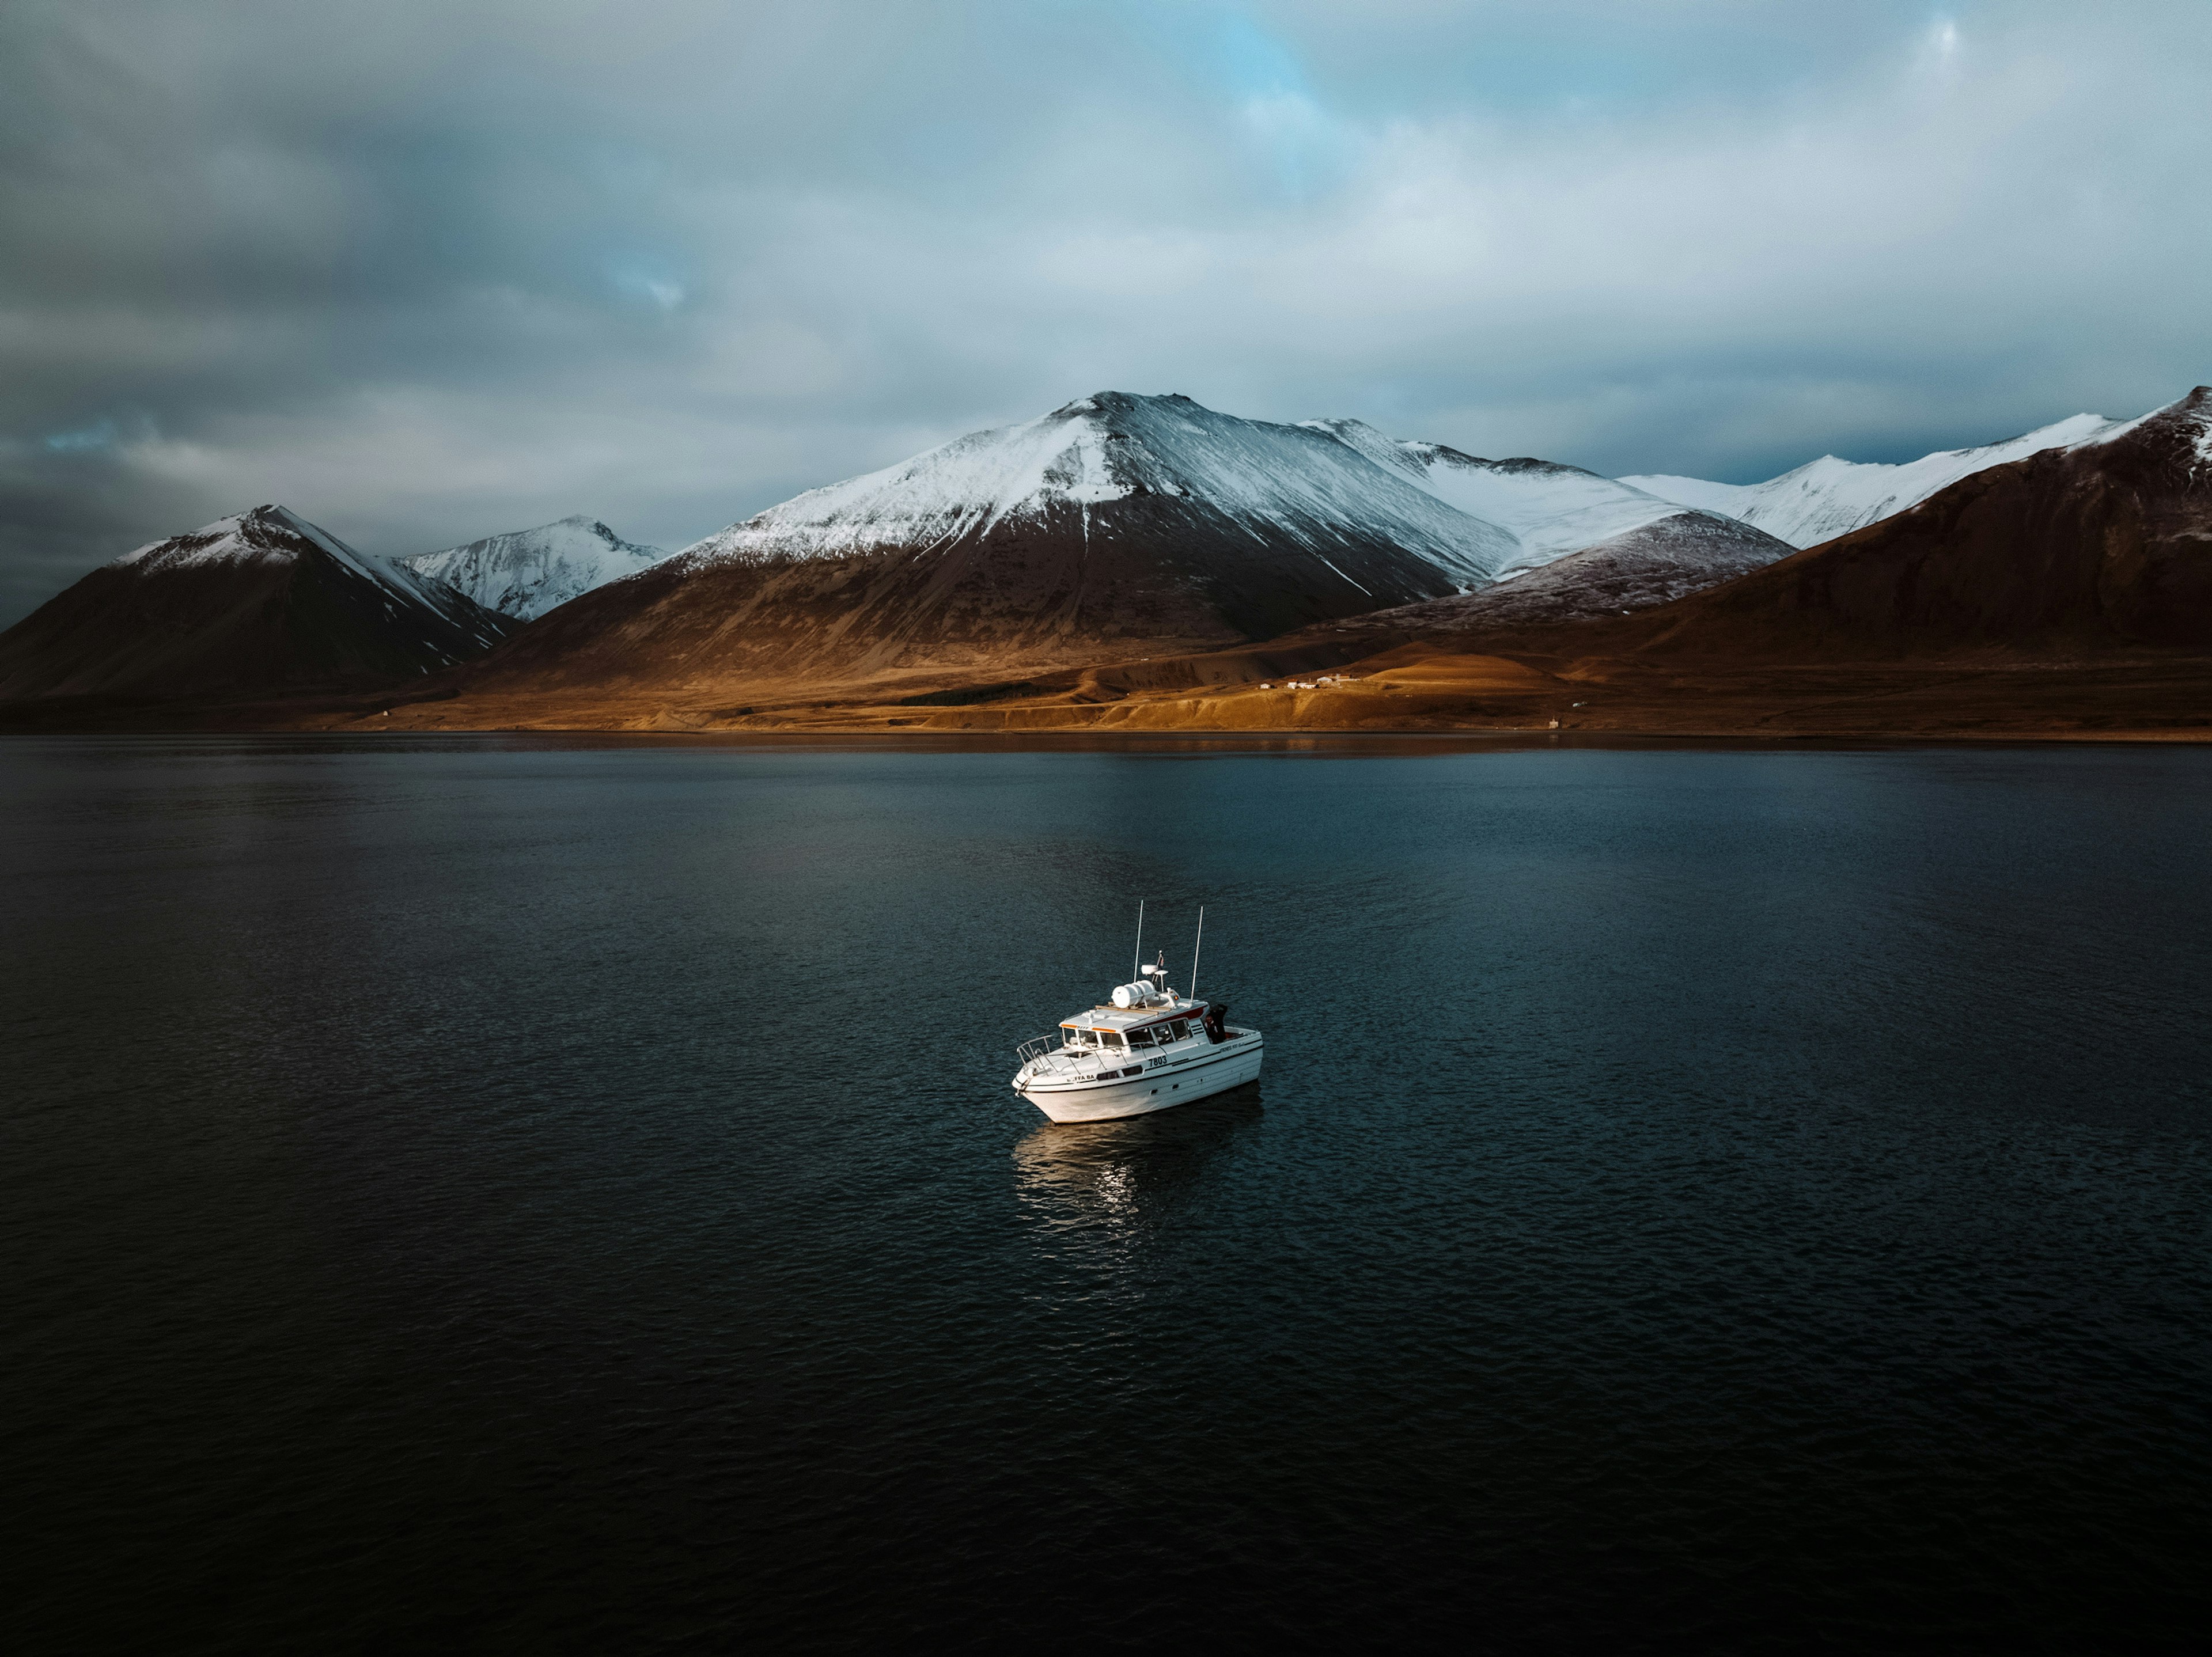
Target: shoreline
{"points": [[1427, 689], [1522, 738]]}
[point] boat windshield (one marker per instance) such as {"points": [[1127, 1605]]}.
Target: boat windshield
{"points": [[1075, 1038]]}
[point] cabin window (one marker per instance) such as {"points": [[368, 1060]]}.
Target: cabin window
{"points": [[1073, 1035], [1140, 1038], [1109, 1038], [1182, 1027]]}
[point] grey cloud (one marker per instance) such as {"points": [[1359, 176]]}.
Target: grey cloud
{"points": [[427, 273]]}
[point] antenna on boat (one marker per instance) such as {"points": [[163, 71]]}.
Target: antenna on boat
{"points": [[1194, 950], [1137, 961]]}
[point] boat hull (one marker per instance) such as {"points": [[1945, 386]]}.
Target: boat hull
{"points": [[1229, 1064]]}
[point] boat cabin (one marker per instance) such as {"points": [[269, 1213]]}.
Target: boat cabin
{"points": [[1114, 1031]]}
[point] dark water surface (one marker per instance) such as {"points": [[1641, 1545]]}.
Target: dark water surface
{"points": [[481, 1193]]}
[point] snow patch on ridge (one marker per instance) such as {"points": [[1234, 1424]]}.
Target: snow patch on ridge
{"points": [[1829, 497], [1552, 510]]}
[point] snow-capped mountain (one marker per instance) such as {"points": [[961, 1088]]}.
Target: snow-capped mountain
{"points": [[1081, 468], [2104, 543], [526, 573], [261, 603], [1552, 510], [1829, 497], [1113, 527]]}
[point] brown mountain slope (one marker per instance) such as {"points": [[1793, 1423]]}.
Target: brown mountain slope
{"points": [[262, 604], [729, 624], [2102, 548], [1144, 575], [1635, 571]]}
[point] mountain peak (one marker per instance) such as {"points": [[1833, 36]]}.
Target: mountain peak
{"points": [[1114, 403], [260, 601], [526, 573], [2190, 416], [2194, 410], [1282, 483], [268, 533]]}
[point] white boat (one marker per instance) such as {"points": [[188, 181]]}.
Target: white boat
{"points": [[1145, 1049]]}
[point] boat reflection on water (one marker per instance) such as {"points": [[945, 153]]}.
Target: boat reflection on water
{"points": [[1133, 1171]]}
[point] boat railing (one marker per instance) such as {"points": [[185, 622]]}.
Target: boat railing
{"points": [[1042, 1054]]}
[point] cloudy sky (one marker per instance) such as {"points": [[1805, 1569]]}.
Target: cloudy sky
{"points": [[425, 270]]}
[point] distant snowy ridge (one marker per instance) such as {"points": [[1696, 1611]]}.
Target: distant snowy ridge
{"points": [[1279, 483], [1552, 510], [1829, 497], [526, 573], [1478, 521]]}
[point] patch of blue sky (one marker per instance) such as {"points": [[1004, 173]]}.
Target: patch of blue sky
{"points": [[1257, 77], [1253, 63], [99, 436], [646, 279], [1525, 59]]}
